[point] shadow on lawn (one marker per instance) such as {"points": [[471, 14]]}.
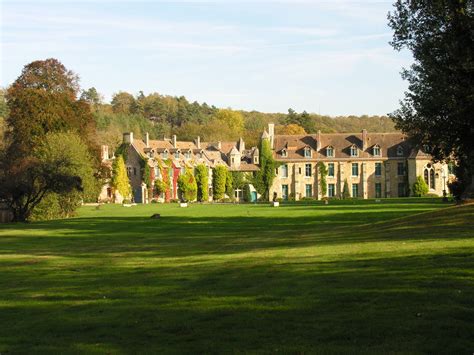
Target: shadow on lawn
{"points": [[172, 236], [383, 305]]}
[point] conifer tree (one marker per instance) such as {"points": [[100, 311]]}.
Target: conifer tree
{"points": [[202, 181], [119, 178], [218, 182]]}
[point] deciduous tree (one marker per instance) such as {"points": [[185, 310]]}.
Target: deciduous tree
{"points": [[438, 106]]}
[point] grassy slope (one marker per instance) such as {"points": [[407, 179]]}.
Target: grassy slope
{"points": [[388, 277]]}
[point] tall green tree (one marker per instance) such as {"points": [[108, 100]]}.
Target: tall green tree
{"points": [[187, 186], [202, 181], [229, 185], [123, 102], [263, 179], [438, 106], [219, 176], [420, 187]]}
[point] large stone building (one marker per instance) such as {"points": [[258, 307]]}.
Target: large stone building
{"points": [[171, 158], [374, 165]]}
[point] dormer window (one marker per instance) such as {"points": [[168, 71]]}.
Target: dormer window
{"points": [[330, 152], [176, 154], [354, 151], [255, 159], [307, 152], [165, 154], [400, 150], [284, 153], [376, 150], [187, 155]]}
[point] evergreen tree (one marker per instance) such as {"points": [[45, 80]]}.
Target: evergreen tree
{"points": [[229, 185], [120, 178], [345, 191], [420, 187], [202, 181], [219, 177], [264, 177]]}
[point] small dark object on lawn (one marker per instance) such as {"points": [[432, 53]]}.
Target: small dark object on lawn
{"points": [[156, 215]]}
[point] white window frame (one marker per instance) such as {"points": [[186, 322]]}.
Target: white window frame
{"points": [[306, 170], [330, 149], [376, 151], [307, 152], [354, 151]]}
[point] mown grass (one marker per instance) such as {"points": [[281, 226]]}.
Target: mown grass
{"points": [[350, 277]]}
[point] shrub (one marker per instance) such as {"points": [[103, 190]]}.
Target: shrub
{"points": [[219, 177], [345, 191], [120, 178], [247, 195], [187, 186], [323, 172], [420, 187], [202, 181]]}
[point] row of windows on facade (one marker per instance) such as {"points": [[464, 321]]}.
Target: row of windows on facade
{"points": [[355, 169], [354, 151], [165, 155], [331, 190]]}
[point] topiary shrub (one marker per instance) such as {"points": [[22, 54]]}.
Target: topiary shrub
{"points": [[187, 186], [345, 190], [219, 177], [202, 181], [420, 187]]}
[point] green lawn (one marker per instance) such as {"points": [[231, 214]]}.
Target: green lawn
{"points": [[355, 277]]}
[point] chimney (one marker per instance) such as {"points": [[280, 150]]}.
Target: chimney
{"points": [[364, 140], [241, 145], [147, 140], [198, 142], [174, 140], [318, 141], [271, 133], [104, 153], [219, 145], [128, 137]]}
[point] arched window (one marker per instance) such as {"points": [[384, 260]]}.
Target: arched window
{"points": [[429, 176], [354, 151]]}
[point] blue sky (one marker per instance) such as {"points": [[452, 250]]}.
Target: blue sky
{"points": [[330, 57]]}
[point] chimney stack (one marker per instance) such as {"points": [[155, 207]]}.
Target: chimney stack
{"points": [[128, 137], [198, 142], [364, 140], [147, 140], [241, 145], [104, 153], [174, 140], [271, 133], [318, 141]]}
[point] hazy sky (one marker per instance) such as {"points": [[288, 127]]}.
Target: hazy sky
{"points": [[331, 57]]}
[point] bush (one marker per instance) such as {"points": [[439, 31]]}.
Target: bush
{"points": [[202, 181], [420, 187], [187, 186], [345, 191], [219, 177]]}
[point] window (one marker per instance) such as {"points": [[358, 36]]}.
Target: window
{"points": [[400, 151], [284, 153], [354, 151], [400, 169], [134, 171], [284, 171], [331, 190], [330, 151], [378, 169], [355, 169], [331, 169], [355, 190], [284, 192], [376, 150], [309, 190], [165, 155], [401, 189], [307, 152], [378, 190], [307, 170], [187, 155], [129, 170], [429, 176], [157, 172], [255, 159], [176, 154]]}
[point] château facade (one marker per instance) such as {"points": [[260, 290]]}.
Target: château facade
{"points": [[374, 165], [371, 165]]}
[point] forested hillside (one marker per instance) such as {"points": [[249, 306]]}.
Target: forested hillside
{"points": [[163, 115]]}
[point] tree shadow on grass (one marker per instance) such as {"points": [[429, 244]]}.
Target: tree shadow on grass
{"points": [[419, 303], [172, 236]]}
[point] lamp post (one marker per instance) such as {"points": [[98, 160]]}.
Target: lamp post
{"points": [[445, 195]]}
